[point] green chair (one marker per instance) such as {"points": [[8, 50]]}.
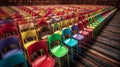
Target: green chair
{"points": [[56, 28], [94, 25], [56, 47]]}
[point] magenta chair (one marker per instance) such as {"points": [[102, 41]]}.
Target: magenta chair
{"points": [[42, 61]]}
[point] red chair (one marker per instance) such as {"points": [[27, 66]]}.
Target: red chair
{"points": [[90, 30], [8, 31], [42, 61], [85, 24]]}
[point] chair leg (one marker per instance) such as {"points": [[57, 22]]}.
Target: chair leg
{"points": [[59, 63], [68, 59], [77, 48], [72, 53]]}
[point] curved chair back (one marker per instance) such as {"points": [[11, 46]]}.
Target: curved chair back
{"points": [[8, 31], [36, 47], [14, 60], [9, 44], [52, 38], [56, 26], [65, 32]]}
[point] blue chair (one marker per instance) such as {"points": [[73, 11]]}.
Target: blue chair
{"points": [[14, 60], [10, 46], [69, 41]]}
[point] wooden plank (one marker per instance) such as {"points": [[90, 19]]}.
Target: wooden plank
{"points": [[108, 42], [110, 35], [106, 50], [113, 29]]}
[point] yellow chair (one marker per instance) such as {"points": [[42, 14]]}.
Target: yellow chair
{"points": [[29, 37], [64, 24], [28, 34]]}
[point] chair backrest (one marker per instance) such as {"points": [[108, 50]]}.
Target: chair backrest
{"points": [[44, 28], [64, 23], [7, 21], [74, 29], [42, 44], [13, 60], [52, 38], [56, 26], [42, 22], [29, 35], [9, 44], [65, 32], [8, 31], [80, 25], [90, 20], [10, 24], [26, 26]]}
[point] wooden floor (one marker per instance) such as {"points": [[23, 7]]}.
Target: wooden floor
{"points": [[104, 50]]}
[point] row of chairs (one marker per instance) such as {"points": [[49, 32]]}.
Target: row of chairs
{"points": [[31, 43]]}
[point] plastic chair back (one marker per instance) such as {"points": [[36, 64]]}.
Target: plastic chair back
{"points": [[66, 31], [8, 31], [29, 34], [36, 47], [13, 60], [54, 37]]}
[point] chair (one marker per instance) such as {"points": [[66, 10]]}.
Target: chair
{"points": [[42, 61], [7, 31], [93, 25], [10, 24], [88, 29], [77, 35], [69, 41], [56, 28], [10, 46], [83, 32], [14, 60], [6, 21], [56, 46], [29, 37], [44, 30], [64, 23]]}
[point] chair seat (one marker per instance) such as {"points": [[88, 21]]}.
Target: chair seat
{"points": [[78, 36], [43, 61], [89, 29], [10, 53], [59, 32], [84, 32], [59, 51], [101, 19], [28, 44], [45, 37], [71, 42]]}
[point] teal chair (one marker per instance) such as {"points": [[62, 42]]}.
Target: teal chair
{"points": [[14, 60], [56, 47], [69, 40], [99, 17]]}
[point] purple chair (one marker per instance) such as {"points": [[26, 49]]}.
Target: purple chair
{"points": [[7, 21], [77, 35], [10, 46]]}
